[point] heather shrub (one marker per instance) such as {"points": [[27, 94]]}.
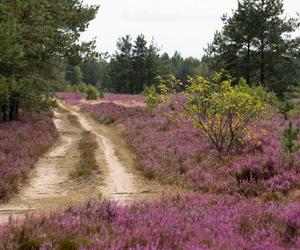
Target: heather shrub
{"points": [[179, 222], [21, 143], [171, 150], [225, 112]]}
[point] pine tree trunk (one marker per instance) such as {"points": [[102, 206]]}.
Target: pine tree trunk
{"points": [[248, 63], [262, 64], [11, 109], [17, 109], [14, 108], [262, 49], [4, 113]]}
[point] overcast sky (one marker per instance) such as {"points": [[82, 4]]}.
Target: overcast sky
{"points": [[183, 25]]}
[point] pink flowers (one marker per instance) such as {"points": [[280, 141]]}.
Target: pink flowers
{"points": [[171, 150], [180, 222], [21, 143]]}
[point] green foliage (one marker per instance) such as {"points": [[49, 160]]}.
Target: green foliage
{"points": [[224, 111], [33, 40], [256, 43], [133, 66], [100, 92], [285, 108], [289, 139], [136, 65], [82, 88], [91, 93], [73, 74], [152, 97]]}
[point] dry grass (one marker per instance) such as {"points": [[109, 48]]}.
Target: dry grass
{"points": [[73, 119], [87, 164]]}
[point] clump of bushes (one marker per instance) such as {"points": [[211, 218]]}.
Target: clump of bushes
{"points": [[89, 91]]}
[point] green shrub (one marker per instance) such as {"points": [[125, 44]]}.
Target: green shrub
{"points": [[289, 140], [100, 93], [225, 112], [285, 108], [289, 143], [81, 88], [91, 93], [152, 98]]}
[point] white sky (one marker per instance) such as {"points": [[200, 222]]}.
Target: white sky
{"points": [[183, 25]]}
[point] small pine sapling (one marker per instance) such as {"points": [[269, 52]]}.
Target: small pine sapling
{"points": [[289, 142], [152, 97], [285, 107], [290, 136]]}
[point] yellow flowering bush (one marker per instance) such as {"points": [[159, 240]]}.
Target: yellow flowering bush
{"points": [[224, 111]]}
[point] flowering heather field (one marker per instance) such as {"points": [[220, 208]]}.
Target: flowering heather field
{"points": [[21, 143], [73, 98], [167, 148], [123, 97], [181, 222], [172, 151]]}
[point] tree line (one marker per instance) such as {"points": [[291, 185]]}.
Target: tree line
{"points": [[35, 35], [257, 43], [135, 65], [40, 53]]}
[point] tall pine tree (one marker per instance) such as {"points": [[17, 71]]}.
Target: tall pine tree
{"points": [[256, 43], [140, 52], [121, 66], [41, 34]]}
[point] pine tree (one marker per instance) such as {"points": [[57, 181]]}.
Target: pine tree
{"points": [[165, 66], [140, 52], [255, 44], [77, 75], [152, 63], [35, 36], [121, 66]]}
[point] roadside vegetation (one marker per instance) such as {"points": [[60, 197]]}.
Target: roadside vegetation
{"points": [[21, 144], [172, 148], [87, 165]]}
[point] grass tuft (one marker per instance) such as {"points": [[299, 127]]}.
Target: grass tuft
{"points": [[87, 164]]}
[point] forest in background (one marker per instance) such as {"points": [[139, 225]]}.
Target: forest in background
{"points": [[40, 53], [261, 48], [133, 66]]}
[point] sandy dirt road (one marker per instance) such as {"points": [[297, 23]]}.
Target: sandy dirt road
{"points": [[50, 185]]}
